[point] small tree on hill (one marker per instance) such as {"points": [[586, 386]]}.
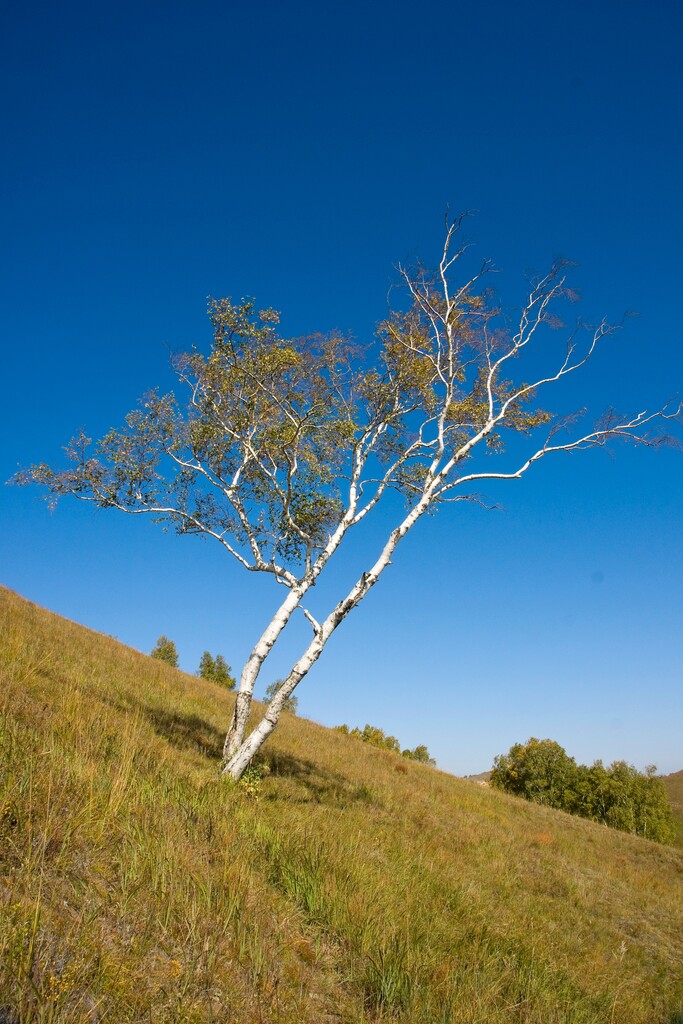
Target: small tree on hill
{"points": [[206, 666], [223, 674], [286, 445], [217, 670], [291, 704], [165, 650]]}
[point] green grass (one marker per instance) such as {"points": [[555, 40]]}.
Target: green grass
{"points": [[136, 885]]}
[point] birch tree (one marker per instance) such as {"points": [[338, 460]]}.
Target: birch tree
{"points": [[280, 447]]}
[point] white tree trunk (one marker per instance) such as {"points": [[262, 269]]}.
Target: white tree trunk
{"points": [[245, 693], [250, 672], [243, 752]]}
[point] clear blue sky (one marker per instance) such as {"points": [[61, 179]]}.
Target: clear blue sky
{"points": [[155, 154]]}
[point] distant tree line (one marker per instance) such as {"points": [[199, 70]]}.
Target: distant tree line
{"points": [[216, 669], [619, 796], [377, 738]]}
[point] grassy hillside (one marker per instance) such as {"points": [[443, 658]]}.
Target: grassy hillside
{"points": [[135, 885]]}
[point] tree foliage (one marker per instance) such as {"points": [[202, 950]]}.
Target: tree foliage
{"points": [[165, 650], [279, 447], [619, 796], [539, 770], [217, 670]]}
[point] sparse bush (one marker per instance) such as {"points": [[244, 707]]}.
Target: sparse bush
{"points": [[377, 738], [420, 753], [253, 776]]}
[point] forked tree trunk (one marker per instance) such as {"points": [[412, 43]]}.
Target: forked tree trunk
{"points": [[250, 672], [240, 754]]}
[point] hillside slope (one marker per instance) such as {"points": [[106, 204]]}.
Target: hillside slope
{"points": [[348, 886]]}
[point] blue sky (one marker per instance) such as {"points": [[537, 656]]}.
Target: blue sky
{"points": [[154, 156]]}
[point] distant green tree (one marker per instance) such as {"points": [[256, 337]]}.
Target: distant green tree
{"points": [[165, 650], [631, 801], [291, 703], [217, 670], [223, 674], [619, 796], [539, 770], [655, 816], [207, 666]]}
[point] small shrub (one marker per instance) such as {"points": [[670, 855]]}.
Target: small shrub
{"points": [[420, 753], [377, 738], [252, 779]]}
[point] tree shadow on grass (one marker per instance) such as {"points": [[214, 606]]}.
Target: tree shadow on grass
{"points": [[314, 784], [184, 731], [308, 782], [187, 732]]}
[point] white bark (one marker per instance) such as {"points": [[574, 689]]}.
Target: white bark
{"points": [[240, 755], [250, 673]]}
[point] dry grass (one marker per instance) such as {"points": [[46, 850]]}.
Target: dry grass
{"points": [[135, 885]]}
